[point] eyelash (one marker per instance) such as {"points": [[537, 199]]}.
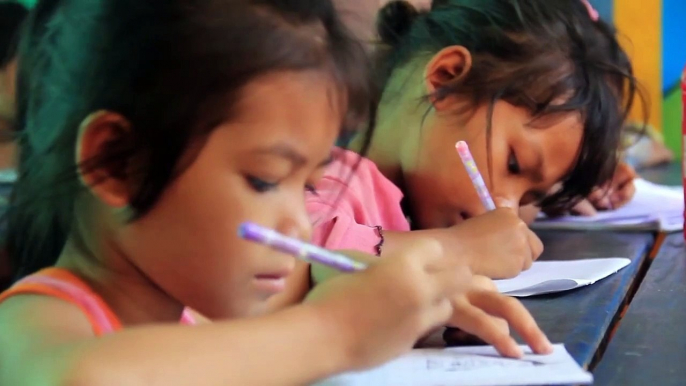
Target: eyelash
{"points": [[262, 186], [512, 163]]}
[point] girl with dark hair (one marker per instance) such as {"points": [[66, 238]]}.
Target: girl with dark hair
{"points": [[539, 90], [153, 129]]}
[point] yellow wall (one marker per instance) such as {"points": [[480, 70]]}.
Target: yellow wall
{"points": [[640, 22]]}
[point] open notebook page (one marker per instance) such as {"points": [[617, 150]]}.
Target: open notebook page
{"points": [[556, 276], [470, 366], [654, 206]]}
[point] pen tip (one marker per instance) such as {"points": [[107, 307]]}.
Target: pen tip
{"points": [[245, 229], [461, 145]]}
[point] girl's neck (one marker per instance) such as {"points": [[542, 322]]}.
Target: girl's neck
{"points": [[401, 114], [131, 295]]}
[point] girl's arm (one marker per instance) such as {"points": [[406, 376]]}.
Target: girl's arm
{"points": [[297, 346], [352, 322]]}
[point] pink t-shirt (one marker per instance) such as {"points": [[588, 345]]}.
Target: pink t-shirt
{"points": [[352, 203]]}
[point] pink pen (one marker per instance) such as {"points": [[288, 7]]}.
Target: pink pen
{"points": [[474, 175]]}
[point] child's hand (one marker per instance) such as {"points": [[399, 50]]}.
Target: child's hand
{"points": [[485, 313], [381, 312], [612, 195], [497, 244], [617, 192]]}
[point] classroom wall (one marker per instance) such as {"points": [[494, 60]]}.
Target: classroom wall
{"points": [[640, 24], [672, 115], [655, 36]]}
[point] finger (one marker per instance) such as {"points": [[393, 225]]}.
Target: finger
{"points": [[598, 193], [622, 196], [536, 246], [483, 283], [604, 203], [624, 173], [437, 316], [584, 208], [517, 316], [477, 322]]}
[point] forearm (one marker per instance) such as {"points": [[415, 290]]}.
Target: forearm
{"points": [[296, 346]]}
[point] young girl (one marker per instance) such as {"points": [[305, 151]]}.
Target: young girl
{"points": [[539, 89], [153, 129]]}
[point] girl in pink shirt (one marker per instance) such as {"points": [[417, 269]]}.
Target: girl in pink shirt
{"points": [[539, 89]]}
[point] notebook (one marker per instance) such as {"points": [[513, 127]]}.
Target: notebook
{"points": [[653, 208], [546, 277], [470, 366]]}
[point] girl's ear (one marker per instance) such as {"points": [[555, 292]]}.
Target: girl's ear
{"points": [[105, 177], [448, 67]]}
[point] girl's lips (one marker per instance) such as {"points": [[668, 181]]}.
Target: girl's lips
{"points": [[270, 283], [273, 282]]}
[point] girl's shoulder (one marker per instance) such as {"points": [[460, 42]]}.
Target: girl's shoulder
{"points": [[349, 167], [64, 285]]}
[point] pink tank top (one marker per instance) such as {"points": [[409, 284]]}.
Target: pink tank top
{"points": [[63, 284]]}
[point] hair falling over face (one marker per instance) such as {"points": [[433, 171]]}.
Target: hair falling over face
{"points": [[549, 57]]}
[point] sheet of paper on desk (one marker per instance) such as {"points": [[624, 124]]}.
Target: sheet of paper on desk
{"points": [[556, 276], [470, 366], [654, 207]]}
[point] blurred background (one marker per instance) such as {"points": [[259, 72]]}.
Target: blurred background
{"points": [[655, 36]]}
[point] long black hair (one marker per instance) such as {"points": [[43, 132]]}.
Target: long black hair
{"points": [[12, 15], [533, 54], [172, 68]]}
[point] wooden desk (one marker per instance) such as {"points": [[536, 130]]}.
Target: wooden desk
{"points": [[580, 319], [649, 347], [583, 318]]}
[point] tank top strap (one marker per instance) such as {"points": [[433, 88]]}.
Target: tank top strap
{"points": [[62, 284]]}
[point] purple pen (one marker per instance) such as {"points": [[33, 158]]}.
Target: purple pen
{"points": [[297, 248]]}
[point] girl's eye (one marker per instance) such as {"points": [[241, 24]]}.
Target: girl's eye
{"points": [[261, 186], [513, 164], [310, 189]]}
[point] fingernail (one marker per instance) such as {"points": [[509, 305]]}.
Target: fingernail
{"points": [[516, 352], [546, 347]]}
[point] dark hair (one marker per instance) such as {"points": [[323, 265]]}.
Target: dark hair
{"points": [[12, 15], [33, 30], [171, 67], [533, 54]]}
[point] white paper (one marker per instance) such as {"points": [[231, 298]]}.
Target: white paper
{"points": [[556, 276], [653, 207], [470, 366]]}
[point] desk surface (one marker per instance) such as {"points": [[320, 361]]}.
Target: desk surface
{"points": [[581, 318], [650, 344]]}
